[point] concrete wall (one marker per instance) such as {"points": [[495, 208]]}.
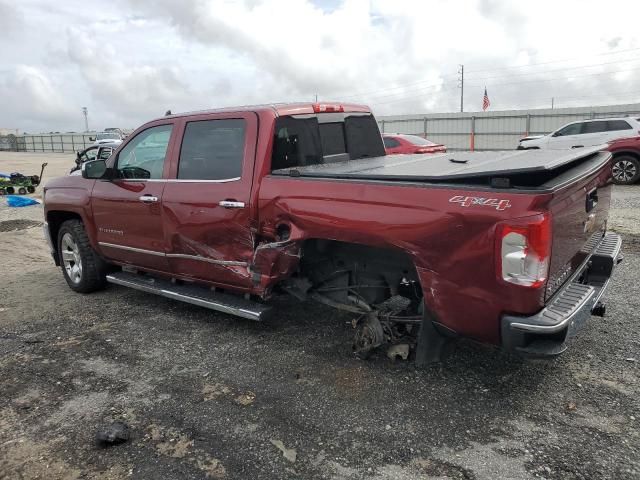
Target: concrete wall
{"points": [[495, 130]]}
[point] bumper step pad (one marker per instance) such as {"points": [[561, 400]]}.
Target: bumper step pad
{"points": [[558, 313], [546, 333], [196, 295]]}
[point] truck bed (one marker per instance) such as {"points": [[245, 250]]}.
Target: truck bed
{"points": [[452, 166]]}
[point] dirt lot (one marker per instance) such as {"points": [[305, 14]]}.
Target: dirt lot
{"points": [[210, 396]]}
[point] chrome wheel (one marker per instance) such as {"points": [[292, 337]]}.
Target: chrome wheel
{"points": [[71, 258], [624, 171]]}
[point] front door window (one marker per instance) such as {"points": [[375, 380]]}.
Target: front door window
{"points": [[143, 157]]}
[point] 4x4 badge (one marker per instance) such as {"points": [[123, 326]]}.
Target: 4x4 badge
{"points": [[496, 203]]}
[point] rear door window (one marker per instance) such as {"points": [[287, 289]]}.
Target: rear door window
{"points": [[595, 127], [212, 150], [615, 125]]}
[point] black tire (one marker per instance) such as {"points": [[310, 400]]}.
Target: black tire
{"points": [[92, 268], [31, 189], [626, 170], [22, 191], [11, 190]]}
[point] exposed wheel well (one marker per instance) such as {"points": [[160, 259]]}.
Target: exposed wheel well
{"points": [[359, 275]]}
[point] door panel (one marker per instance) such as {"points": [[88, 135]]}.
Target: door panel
{"points": [[127, 209], [206, 204], [129, 229]]}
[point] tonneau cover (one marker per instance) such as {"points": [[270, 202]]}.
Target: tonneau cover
{"points": [[446, 166]]}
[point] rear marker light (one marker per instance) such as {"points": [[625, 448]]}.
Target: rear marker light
{"points": [[524, 250]]}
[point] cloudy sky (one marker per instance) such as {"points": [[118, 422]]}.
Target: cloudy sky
{"points": [[130, 60]]}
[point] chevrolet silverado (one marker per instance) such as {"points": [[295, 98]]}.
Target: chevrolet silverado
{"points": [[227, 208]]}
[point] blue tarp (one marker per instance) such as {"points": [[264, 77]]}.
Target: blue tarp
{"points": [[17, 201]]}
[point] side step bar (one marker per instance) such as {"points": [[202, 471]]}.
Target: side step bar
{"points": [[196, 295]]}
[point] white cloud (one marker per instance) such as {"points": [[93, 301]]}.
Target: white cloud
{"points": [[134, 90], [30, 96], [138, 58]]}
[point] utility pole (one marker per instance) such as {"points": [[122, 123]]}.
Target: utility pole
{"points": [[461, 85], [551, 103], [316, 98], [85, 112]]}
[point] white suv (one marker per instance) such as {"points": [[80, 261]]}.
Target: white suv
{"points": [[584, 134]]}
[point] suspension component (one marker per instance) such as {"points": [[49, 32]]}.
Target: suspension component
{"points": [[369, 335]]}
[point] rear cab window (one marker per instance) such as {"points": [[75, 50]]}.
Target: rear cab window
{"points": [[313, 139]]}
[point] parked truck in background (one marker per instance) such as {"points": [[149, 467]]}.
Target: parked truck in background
{"points": [[227, 208]]}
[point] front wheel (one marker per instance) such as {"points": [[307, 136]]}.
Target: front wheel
{"points": [[82, 268], [626, 170]]}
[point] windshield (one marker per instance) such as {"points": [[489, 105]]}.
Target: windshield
{"points": [[417, 140], [107, 136]]}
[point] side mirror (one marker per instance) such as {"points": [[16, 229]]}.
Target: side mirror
{"points": [[92, 139], [94, 169]]}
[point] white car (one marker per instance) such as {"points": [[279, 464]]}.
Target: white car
{"points": [[108, 137], [584, 133]]}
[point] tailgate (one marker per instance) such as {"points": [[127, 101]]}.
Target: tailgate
{"points": [[579, 211]]}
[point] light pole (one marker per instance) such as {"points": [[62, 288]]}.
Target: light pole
{"points": [[85, 112]]}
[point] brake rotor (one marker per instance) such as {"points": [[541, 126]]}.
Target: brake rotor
{"points": [[368, 336]]}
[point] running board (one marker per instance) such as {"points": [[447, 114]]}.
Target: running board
{"points": [[196, 295]]}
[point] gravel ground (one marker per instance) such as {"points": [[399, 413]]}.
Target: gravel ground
{"points": [[209, 396]]}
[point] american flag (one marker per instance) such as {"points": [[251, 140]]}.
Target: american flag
{"points": [[486, 103]]}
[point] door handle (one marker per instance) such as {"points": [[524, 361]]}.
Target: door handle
{"points": [[231, 204], [578, 146], [148, 199]]}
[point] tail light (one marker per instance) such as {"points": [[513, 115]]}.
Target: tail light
{"points": [[523, 250], [325, 107]]}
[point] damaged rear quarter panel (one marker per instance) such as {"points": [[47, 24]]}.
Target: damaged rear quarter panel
{"points": [[452, 246]]}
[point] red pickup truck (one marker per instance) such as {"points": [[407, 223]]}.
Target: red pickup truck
{"points": [[226, 208]]}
